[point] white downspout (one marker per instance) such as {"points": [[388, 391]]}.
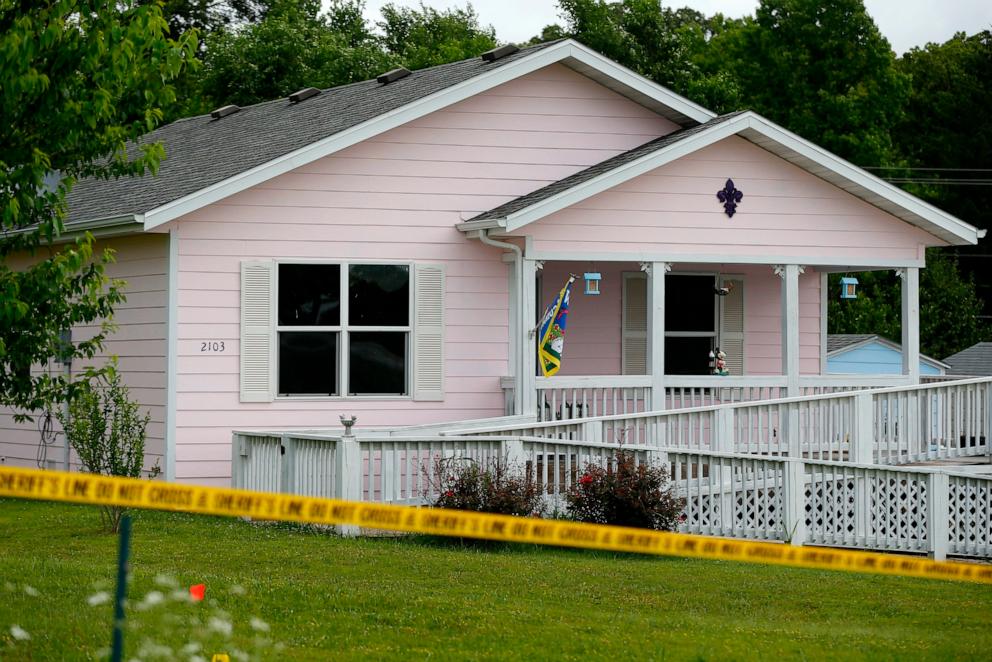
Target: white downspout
{"points": [[518, 283]]}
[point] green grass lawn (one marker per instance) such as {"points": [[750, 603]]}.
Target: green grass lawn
{"points": [[290, 593]]}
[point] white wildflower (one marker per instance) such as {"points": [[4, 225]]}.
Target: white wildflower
{"points": [[197, 658], [181, 596], [192, 647], [238, 590], [153, 598], [18, 633], [165, 581], [98, 599], [259, 625], [219, 625], [31, 590]]}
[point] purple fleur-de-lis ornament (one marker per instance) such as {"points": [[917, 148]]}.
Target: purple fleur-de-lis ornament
{"points": [[729, 196]]}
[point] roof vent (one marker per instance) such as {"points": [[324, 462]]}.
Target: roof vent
{"points": [[303, 94], [224, 111], [393, 75], [501, 52]]}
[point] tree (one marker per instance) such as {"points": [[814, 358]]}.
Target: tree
{"points": [[819, 68], [427, 37], [948, 143], [292, 47], [657, 42], [949, 307], [83, 80]]}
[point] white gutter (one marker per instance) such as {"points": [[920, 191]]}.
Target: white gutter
{"points": [[518, 264]]}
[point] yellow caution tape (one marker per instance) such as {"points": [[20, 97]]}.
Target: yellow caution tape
{"points": [[156, 495]]}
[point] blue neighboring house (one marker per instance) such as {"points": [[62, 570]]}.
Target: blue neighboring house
{"points": [[869, 354]]}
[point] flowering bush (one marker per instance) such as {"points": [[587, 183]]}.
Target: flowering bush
{"points": [[464, 485], [625, 493]]}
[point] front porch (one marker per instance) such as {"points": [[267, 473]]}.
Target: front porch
{"points": [[644, 341]]}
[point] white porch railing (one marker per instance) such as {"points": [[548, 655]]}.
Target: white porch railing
{"points": [[766, 497], [607, 395], [885, 425]]}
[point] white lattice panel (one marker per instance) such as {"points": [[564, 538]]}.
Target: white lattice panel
{"points": [[970, 511]]}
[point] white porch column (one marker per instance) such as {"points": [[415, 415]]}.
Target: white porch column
{"points": [[527, 379], [656, 330], [911, 323], [790, 325]]}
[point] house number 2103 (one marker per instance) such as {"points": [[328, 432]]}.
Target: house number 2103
{"points": [[212, 346]]}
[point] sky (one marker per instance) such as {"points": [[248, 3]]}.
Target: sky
{"points": [[905, 23]]}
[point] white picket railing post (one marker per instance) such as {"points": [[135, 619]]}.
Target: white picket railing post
{"points": [[863, 436], [789, 422], [722, 440], [348, 472], [938, 525], [794, 501], [239, 450], [723, 430], [288, 474], [592, 430], [512, 452]]}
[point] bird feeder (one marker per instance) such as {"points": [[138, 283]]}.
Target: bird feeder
{"points": [[848, 288], [592, 282]]}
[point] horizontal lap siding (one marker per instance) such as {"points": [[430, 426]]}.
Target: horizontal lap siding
{"points": [[397, 196], [785, 211], [138, 343]]}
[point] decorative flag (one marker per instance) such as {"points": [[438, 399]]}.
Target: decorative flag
{"points": [[552, 332]]}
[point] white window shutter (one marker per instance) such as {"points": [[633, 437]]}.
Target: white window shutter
{"points": [[634, 325], [257, 342], [428, 332], [732, 325]]}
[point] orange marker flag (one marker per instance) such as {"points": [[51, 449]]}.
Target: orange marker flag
{"points": [[197, 592]]}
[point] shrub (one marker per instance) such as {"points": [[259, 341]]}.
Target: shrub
{"points": [[463, 484], [625, 493], [107, 432]]}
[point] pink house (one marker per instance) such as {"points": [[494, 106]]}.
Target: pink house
{"points": [[384, 249]]}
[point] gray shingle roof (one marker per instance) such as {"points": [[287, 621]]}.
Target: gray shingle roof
{"points": [[201, 151], [600, 168], [976, 360], [837, 341]]}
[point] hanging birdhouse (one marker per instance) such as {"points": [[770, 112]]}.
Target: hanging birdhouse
{"points": [[848, 288], [592, 282]]}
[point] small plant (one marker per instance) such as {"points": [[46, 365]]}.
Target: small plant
{"points": [[626, 494], [462, 484], [107, 431]]}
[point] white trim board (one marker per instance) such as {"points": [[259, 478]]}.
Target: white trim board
{"points": [[716, 258], [568, 52], [773, 138]]}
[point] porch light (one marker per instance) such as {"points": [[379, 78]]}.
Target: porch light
{"points": [[592, 282], [848, 288]]}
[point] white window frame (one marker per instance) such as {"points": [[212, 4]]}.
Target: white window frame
{"points": [[344, 330]]}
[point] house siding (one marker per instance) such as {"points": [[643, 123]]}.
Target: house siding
{"points": [[785, 211], [593, 336], [138, 343], [397, 196], [872, 359]]}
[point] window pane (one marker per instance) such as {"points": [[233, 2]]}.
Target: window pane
{"points": [[309, 294], [378, 363], [379, 294], [308, 363], [687, 356], [690, 303]]}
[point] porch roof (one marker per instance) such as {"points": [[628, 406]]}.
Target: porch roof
{"points": [[623, 167]]}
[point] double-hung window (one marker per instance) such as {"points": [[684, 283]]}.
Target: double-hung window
{"points": [[343, 329]]}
